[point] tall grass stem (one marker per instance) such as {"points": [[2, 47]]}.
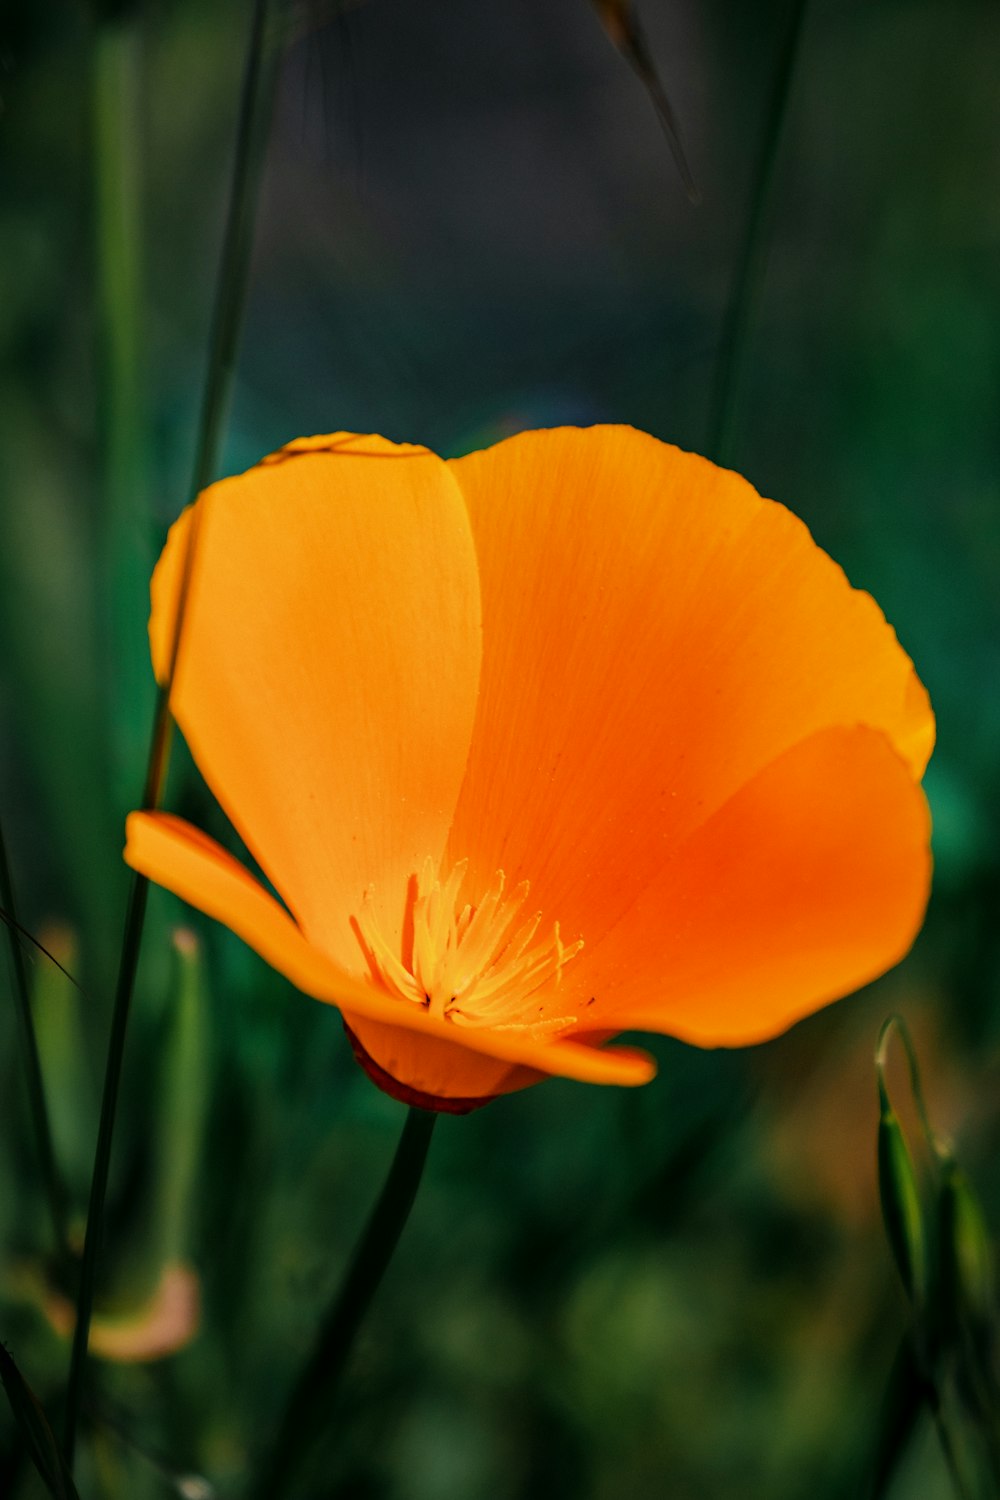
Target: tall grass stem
{"points": [[256, 106], [117, 258], [307, 1413], [752, 260], [48, 1168], [948, 1450]]}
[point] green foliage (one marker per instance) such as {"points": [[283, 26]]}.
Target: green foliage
{"points": [[950, 1360], [469, 226], [37, 1435]]}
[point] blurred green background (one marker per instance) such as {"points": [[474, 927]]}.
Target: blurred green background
{"points": [[470, 223]]}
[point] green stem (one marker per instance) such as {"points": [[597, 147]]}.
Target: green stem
{"points": [[32, 1063], [256, 105], [259, 84], [115, 112], [307, 1413], [256, 108], [948, 1447], [750, 266]]}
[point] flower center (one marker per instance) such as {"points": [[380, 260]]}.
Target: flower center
{"points": [[473, 965]]}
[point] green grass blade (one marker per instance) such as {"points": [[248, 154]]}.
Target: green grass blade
{"points": [[127, 551], [750, 265], [260, 80], [48, 1169], [34, 1428]]}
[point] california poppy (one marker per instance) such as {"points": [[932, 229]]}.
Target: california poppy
{"points": [[574, 736]]}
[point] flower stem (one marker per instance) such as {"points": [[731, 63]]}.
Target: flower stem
{"points": [[259, 84], [750, 265], [32, 1064], [307, 1413]]}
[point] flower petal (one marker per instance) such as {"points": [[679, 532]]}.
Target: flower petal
{"points": [[654, 635], [198, 870], [427, 1060], [329, 665], [396, 1034], [809, 882]]}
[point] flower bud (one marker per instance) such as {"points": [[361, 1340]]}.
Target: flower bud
{"points": [[900, 1199], [966, 1261]]}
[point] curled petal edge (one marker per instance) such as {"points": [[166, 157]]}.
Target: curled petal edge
{"points": [[174, 854]]}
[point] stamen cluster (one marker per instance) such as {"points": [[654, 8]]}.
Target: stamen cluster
{"points": [[477, 966]]}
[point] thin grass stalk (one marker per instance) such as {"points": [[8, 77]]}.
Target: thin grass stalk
{"points": [[117, 256], [307, 1412], [259, 85], [752, 261], [948, 1450], [49, 1171]]}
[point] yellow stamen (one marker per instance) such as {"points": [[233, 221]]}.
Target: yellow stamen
{"points": [[472, 965]]}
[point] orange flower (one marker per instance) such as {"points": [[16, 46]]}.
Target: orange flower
{"points": [[573, 736]]}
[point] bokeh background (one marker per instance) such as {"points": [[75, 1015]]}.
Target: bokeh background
{"points": [[470, 222]]}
